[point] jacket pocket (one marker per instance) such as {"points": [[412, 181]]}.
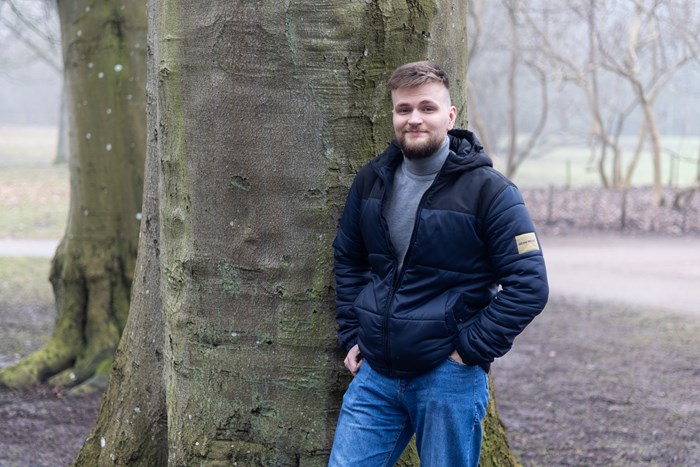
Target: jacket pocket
{"points": [[458, 314]]}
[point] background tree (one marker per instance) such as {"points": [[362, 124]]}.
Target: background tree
{"points": [[500, 57], [638, 45], [602, 72], [557, 39], [259, 116], [661, 38], [104, 63], [34, 25]]}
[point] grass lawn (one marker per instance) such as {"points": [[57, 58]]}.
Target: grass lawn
{"points": [[34, 192], [26, 306], [24, 280], [570, 165]]}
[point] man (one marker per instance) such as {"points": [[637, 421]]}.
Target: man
{"points": [[438, 269]]}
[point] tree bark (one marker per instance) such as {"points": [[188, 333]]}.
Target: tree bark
{"points": [[104, 55], [260, 114]]}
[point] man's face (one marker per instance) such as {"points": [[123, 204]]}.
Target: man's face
{"points": [[422, 116]]}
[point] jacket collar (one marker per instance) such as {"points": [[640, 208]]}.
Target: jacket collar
{"points": [[466, 153]]}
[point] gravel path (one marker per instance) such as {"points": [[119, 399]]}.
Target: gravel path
{"points": [[648, 272], [34, 248]]}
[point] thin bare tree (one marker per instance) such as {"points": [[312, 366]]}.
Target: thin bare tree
{"points": [[636, 47], [659, 42], [35, 26], [512, 142]]}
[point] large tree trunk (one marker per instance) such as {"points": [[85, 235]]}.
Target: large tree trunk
{"points": [[260, 114], [104, 54]]}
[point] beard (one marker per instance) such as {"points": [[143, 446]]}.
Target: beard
{"points": [[420, 150]]}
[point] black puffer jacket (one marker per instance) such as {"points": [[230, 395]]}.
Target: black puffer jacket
{"points": [[472, 279]]}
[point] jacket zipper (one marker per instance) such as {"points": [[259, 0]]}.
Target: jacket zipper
{"points": [[398, 277]]}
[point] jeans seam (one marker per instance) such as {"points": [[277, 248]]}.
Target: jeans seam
{"points": [[393, 447], [475, 385]]}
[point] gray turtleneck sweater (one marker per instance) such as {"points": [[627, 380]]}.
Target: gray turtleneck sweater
{"points": [[412, 179]]}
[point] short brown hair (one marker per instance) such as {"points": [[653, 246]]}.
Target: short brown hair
{"points": [[417, 73]]}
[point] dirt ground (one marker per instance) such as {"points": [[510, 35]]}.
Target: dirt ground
{"points": [[587, 384], [39, 427], [43, 428]]}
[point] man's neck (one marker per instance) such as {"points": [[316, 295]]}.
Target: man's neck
{"points": [[428, 165]]}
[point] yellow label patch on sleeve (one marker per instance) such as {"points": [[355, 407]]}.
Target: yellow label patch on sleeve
{"points": [[527, 242]]}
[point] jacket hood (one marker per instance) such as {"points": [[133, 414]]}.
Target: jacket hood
{"points": [[469, 153], [466, 153]]}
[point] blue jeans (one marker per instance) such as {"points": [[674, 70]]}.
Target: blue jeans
{"points": [[443, 407]]}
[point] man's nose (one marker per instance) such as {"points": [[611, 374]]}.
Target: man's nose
{"points": [[415, 118]]}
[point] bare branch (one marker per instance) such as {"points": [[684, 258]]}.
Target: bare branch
{"points": [[31, 35]]}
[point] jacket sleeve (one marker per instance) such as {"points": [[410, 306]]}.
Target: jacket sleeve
{"points": [[351, 267], [519, 265]]}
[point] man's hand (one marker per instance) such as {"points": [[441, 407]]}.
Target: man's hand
{"points": [[454, 356], [353, 360]]}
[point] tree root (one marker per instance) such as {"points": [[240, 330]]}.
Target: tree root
{"points": [[52, 358], [85, 372], [92, 310], [56, 364]]}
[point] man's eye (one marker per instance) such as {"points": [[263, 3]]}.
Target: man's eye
{"points": [[403, 111]]}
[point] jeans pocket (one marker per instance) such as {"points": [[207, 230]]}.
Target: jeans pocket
{"points": [[455, 362]]}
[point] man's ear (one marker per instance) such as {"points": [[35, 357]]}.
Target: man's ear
{"points": [[453, 116]]}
